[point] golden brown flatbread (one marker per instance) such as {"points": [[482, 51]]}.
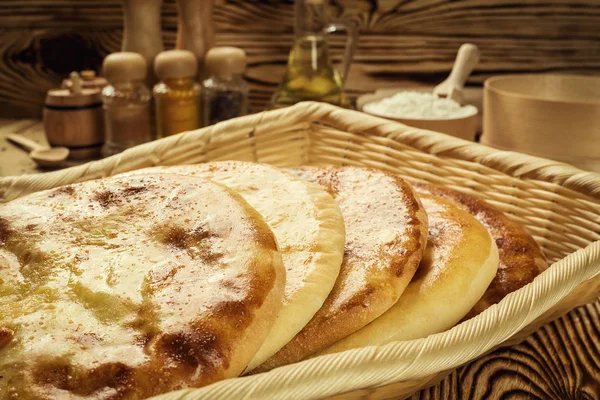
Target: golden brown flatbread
{"points": [[386, 233], [131, 287], [308, 226], [521, 259], [460, 261]]}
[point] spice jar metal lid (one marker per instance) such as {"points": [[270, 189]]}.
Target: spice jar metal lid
{"points": [[124, 67], [175, 64], [225, 61]]}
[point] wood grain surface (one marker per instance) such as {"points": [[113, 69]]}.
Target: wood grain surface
{"points": [[560, 361], [402, 43]]}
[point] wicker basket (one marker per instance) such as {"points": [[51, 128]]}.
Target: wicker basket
{"points": [[557, 203]]}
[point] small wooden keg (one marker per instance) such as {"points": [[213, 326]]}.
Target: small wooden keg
{"points": [[75, 120]]}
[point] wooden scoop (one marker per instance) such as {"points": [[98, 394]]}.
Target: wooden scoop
{"points": [[43, 156], [466, 60]]}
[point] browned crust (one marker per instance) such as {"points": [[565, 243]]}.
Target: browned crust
{"points": [[6, 336], [214, 343], [521, 259], [388, 266]]}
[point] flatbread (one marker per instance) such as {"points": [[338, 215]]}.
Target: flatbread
{"points": [[521, 259], [308, 226], [386, 233], [131, 287], [460, 261]]}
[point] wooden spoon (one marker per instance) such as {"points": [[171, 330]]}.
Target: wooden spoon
{"points": [[43, 156], [466, 60]]}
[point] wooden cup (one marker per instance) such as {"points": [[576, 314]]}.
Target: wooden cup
{"points": [[551, 116]]}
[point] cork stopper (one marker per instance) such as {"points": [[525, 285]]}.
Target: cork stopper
{"points": [[173, 64], [225, 61], [124, 67]]}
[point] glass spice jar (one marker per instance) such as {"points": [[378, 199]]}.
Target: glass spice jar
{"points": [[126, 102], [225, 92], [178, 95]]}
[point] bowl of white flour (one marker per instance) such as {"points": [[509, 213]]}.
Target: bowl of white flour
{"points": [[423, 110]]}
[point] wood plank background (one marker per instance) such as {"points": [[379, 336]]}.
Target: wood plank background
{"points": [[403, 42]]}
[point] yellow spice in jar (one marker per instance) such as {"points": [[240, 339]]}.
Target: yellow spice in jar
{"points": [[178, 95]]}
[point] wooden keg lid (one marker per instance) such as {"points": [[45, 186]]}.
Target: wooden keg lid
{"points": [[88, 75], [67, 98], [89, 79]]}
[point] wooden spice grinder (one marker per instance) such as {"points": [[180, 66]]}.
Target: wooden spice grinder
{"points": [[195, 28], [142, 31], [73, 118]]}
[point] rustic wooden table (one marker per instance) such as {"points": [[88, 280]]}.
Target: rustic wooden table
{"points": [[561, 361]]}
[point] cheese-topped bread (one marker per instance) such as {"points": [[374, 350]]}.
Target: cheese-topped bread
{"points": [[386, 233], [459, 263], [129, 287], [308, 226], [521, 259]]}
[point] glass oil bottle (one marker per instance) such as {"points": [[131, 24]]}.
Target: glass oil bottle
{"points": [[310, 74]]}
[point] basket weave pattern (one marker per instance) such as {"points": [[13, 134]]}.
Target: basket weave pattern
{"points": [[557, 203]]}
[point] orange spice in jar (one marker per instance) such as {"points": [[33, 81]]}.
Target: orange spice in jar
{"points": [[177, 96], [126, 102]]}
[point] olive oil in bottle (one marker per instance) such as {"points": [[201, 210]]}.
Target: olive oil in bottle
{"points": [[310, 75]]}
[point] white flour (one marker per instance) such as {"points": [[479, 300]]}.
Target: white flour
{"points": [[419, 105]]}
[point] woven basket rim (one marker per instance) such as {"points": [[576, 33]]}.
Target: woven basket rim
{"points": [[514, 164], [511, 163]]}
